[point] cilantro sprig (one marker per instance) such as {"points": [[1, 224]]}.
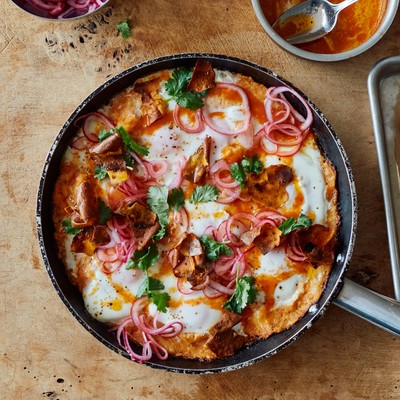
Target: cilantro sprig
{"points": [[245, 293], [104, 212], [130, 143], [150, 287], [68, 228], [124, 28], [291, 224], [176, 199], [100, 172], [128, 160], [204, 194], [214, 249], [104, 134], [247, 165], [143, 259], [157, 199], [176, 87]]}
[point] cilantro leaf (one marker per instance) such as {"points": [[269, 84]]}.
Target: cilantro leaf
{"points": [[100, 172], [128, 159], [143, 259], [69, 230], [179, 81], [176, 87], [213, 249], [291, 224], [155, 284], [124, 28], [249, 165], [238, 173], [104, 212], [157, 199], [130, 143], [204, 194], [150, 287], [245, 293], [176, 199], [160, 299], [252, 164], [190, 100], [104, 134]]}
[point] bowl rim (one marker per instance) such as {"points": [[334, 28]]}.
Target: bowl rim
{"points": [[16, 3], [390, 13]]}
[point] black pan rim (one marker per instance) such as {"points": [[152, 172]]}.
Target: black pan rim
{"points": [[205, 367]]}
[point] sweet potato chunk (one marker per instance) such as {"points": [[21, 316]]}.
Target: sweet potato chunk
{"points": [[224, 341], [88, 239], [316, 242], [113, 144], [269, 187], [139, 215], [198, 164], [86, 210], [203, 77], [268, 239]]}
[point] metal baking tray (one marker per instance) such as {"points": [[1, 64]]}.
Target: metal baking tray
{"points": [[384, 94]]}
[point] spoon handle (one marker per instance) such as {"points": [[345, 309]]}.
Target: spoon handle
{"points": [[340, 6]]}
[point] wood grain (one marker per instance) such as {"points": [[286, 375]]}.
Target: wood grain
{"points": [[47, 68]]}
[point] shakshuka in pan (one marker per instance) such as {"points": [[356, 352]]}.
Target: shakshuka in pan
{"points": [[196, 213]]}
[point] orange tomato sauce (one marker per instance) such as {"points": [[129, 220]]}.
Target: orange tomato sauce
{"points": [[355, 24]]}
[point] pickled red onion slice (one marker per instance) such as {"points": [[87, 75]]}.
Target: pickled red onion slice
{"points": [[279, 91], [93, 124], [215, 111], [62, 8], [188, 120]]}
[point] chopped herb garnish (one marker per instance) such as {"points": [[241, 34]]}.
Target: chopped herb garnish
{"points": [[104, 212], [105, 134], [291, 224], [124, 28], [128, 159], [214, 249], [176, 199], [100, 172], [176, 87], [252, 164], [204, 194], [130, 143], [144, 259], [249, 165], [69, 230], [160, 299], [238, 173], [157, 199], [245, 293]]}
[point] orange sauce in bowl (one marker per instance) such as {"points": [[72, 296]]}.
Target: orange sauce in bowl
{"points": [[355, 24]]}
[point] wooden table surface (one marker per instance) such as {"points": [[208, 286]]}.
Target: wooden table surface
{"points": [[46, 69]]}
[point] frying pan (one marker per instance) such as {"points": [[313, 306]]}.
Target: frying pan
{"points": [[369, 305]]}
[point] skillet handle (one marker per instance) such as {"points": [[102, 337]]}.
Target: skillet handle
{"points": [[376, 308]]}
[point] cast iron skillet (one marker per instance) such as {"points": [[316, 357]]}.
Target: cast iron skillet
{"points": [[262, 349]]}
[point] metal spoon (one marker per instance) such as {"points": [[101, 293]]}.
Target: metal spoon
{"points": [[320, 15]]}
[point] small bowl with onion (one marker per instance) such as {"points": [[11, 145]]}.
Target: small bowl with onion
{"points": [[60, 9], [359, 27]]}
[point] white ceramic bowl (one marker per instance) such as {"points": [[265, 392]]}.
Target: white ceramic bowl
{"points": [[38, 12], [384, 26]]}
